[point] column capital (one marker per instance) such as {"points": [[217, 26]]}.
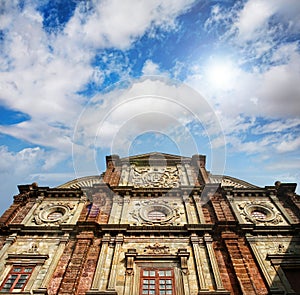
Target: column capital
{"points": [[208, 238], [119, 239]]}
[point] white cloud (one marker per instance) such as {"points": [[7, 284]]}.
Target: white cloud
{"points": [[26, 166], [117, 24], [265, 144], [277, 126], [289, 144], [150, 68], [253, 20], [153, 105], [42, 74], [253, 17], [272, 92], [19, 163]]}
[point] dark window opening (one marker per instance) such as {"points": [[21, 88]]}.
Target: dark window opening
{"points": [[293, 275]]}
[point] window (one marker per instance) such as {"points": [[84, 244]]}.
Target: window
{"points": [[157, 281], [16, 279]]}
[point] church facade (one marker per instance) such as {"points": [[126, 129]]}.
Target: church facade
{"points": [[152, 224]]}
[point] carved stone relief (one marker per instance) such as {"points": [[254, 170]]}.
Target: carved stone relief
{"points": [[155, 212], [260, 212], [53, 213], [33, 249], [164, 177], [157, 249]]}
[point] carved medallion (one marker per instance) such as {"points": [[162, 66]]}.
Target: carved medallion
{"points": [[259, 212], [155, 212], [53, 213]]}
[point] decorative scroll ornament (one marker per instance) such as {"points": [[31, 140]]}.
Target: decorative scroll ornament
{"points": [[157, 249], [259, 212]]}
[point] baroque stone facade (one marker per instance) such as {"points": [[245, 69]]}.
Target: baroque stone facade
{"points": [[152, 224]]}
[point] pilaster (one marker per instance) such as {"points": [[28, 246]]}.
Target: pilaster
{"points": [[187, 205], [197, 201], [43, 287], [124, 217], [113, 272], [9, 241], [199, 267], [282, 209], [184, 255], [213, 262], [130, 256], [114, 217], [99, 278]]}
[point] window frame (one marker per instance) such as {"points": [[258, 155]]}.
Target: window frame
{"points": [[157, 279], [18, 275]]}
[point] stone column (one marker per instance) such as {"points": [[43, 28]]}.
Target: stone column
{"points": [[124, 217], [29, 215], [199, 268], [187, 205], [183, 254], [124, 174], [213, 262], [235, 209], [282, 209], [113, 271], [182, 175], [197, 200], [261, 263], [62, 243], [78, 210], [189, 173], [114, 218], [99, 278], [9, 241], [130, 256]]}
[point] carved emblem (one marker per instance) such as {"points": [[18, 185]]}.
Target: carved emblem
{"points": [[157, 249], [166, 177]]}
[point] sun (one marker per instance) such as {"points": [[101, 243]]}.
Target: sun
{"points": [[221, 74]]}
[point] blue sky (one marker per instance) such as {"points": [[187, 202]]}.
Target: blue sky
{"points": [[83, 79]]}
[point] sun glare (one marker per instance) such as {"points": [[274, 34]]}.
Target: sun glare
{"points": [[221, 74]]}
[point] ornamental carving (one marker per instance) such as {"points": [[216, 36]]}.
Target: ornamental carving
{"points": [[53, 214], [164, 177], [157, 249], [155, 212], [259, 212], [33, 249]]}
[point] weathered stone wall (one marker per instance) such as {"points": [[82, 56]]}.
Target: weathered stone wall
{"points": [[218, 240]]}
